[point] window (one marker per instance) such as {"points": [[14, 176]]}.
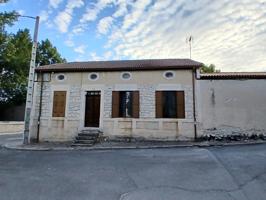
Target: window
{"points": [[126, 75], [170, 104], [125, 104], [59, 104], [169, 74], [60, 77], [93, 76]]}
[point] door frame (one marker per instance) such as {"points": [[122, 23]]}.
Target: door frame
{"points": [[86, 104], [83, 106]]}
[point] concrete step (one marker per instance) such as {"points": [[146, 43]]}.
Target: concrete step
{"points": [[85, 141], [89, 134], [81, 145], [86, 137], [90, 131]]}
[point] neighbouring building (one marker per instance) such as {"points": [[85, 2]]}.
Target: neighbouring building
{"points": [[160, 99], [150, 99], [232, 103]]}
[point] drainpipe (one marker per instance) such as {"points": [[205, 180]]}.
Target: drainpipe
{"points": [[40, 109], [194, 103]]}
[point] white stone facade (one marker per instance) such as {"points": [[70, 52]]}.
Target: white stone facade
{"points": [[146, 126]]}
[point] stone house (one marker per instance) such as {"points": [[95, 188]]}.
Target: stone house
{"points": [[147, 99]]}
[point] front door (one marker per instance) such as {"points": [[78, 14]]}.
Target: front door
{"points": [[92, 109]]}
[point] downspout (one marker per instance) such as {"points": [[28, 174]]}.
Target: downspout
{"points": [[40, 109], [194, 103]]}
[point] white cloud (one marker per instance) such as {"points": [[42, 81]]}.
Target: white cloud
{"points": [[54, 3], [94, 57], [229, 34], [69, 43], [104, 25], [93, 10], [77, 30], [80, 49], [64, 18], [44, 16], [21, 12]]}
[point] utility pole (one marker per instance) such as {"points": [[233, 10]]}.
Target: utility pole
{"points": [[28, 108]]}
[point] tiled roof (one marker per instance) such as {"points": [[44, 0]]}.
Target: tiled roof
{"points": [[154, 64], [234, 75]]}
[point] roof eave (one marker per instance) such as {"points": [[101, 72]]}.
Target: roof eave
{"points": [[40, 70]]}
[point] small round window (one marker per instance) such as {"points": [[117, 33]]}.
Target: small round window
{"points": [[126, 76], [169, 74], [93, 76], [60, 77]]}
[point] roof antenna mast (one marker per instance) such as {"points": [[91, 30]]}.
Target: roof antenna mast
{"points": [[190, 40]]}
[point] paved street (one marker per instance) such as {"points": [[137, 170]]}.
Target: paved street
{"points": [[183, 173]]}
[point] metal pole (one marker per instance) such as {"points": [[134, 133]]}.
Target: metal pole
{"points": [[26, 138], [190, 49]]}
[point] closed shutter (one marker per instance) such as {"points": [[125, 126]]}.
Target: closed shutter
{"points": [[59, 104], [159, 104], [180, 97], [115, 104], [136, 104]]}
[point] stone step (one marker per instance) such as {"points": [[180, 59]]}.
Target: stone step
{"points": [[81, 145], [86, 137], [84, 141], [90, 131]]}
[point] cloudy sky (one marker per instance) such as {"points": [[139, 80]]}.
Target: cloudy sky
{"points": [[229, 33]]}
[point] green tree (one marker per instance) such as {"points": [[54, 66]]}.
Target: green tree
{"points": [[47, 54], [209, 69], [7, 18], [14, 63], [15, 54]]}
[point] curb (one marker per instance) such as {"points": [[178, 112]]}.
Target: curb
{"points": [[200, 145]]}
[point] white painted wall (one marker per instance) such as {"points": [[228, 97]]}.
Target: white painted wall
{"points": [[232, 106]]}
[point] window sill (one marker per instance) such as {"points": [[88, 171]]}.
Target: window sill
{"points": [[58, 118]]}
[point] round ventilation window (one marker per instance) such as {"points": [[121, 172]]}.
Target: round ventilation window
{"points": [[60, 77], [93, 76], [169, 74], [126, 75]]}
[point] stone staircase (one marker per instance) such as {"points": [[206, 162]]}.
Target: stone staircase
{"points": [[87, 138]]}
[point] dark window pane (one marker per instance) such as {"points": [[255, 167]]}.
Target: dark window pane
{"points": [[125, 109], [169, 104]]}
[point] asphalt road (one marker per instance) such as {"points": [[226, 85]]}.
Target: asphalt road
{"points": [[216, 173]]}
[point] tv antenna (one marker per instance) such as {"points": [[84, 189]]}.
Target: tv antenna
{"points": [[189, 40]]}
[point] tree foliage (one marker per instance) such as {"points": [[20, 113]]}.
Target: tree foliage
{"points": [[209, 69], [47, 54], [15, 54]]}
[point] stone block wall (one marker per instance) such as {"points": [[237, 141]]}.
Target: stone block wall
{"points": [[147, 126]]}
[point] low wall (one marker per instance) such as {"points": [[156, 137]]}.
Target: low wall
{"points": [[232, 107], [149, 129], [11, 127]]}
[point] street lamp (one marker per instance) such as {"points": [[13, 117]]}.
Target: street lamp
{"points": [[30, 80]]}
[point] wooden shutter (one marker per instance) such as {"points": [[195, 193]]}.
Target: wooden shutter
{"points": [[59, 104], [135, 104], [115, 104], [180, 105], [159, 104]]}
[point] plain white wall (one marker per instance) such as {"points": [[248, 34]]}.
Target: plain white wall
{"points": [[237, 103]]}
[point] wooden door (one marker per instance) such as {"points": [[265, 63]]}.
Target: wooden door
{"points": [[92, 109]]}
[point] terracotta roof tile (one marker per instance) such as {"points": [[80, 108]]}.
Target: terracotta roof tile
{"points": [[154, 64], [234, 75]]}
